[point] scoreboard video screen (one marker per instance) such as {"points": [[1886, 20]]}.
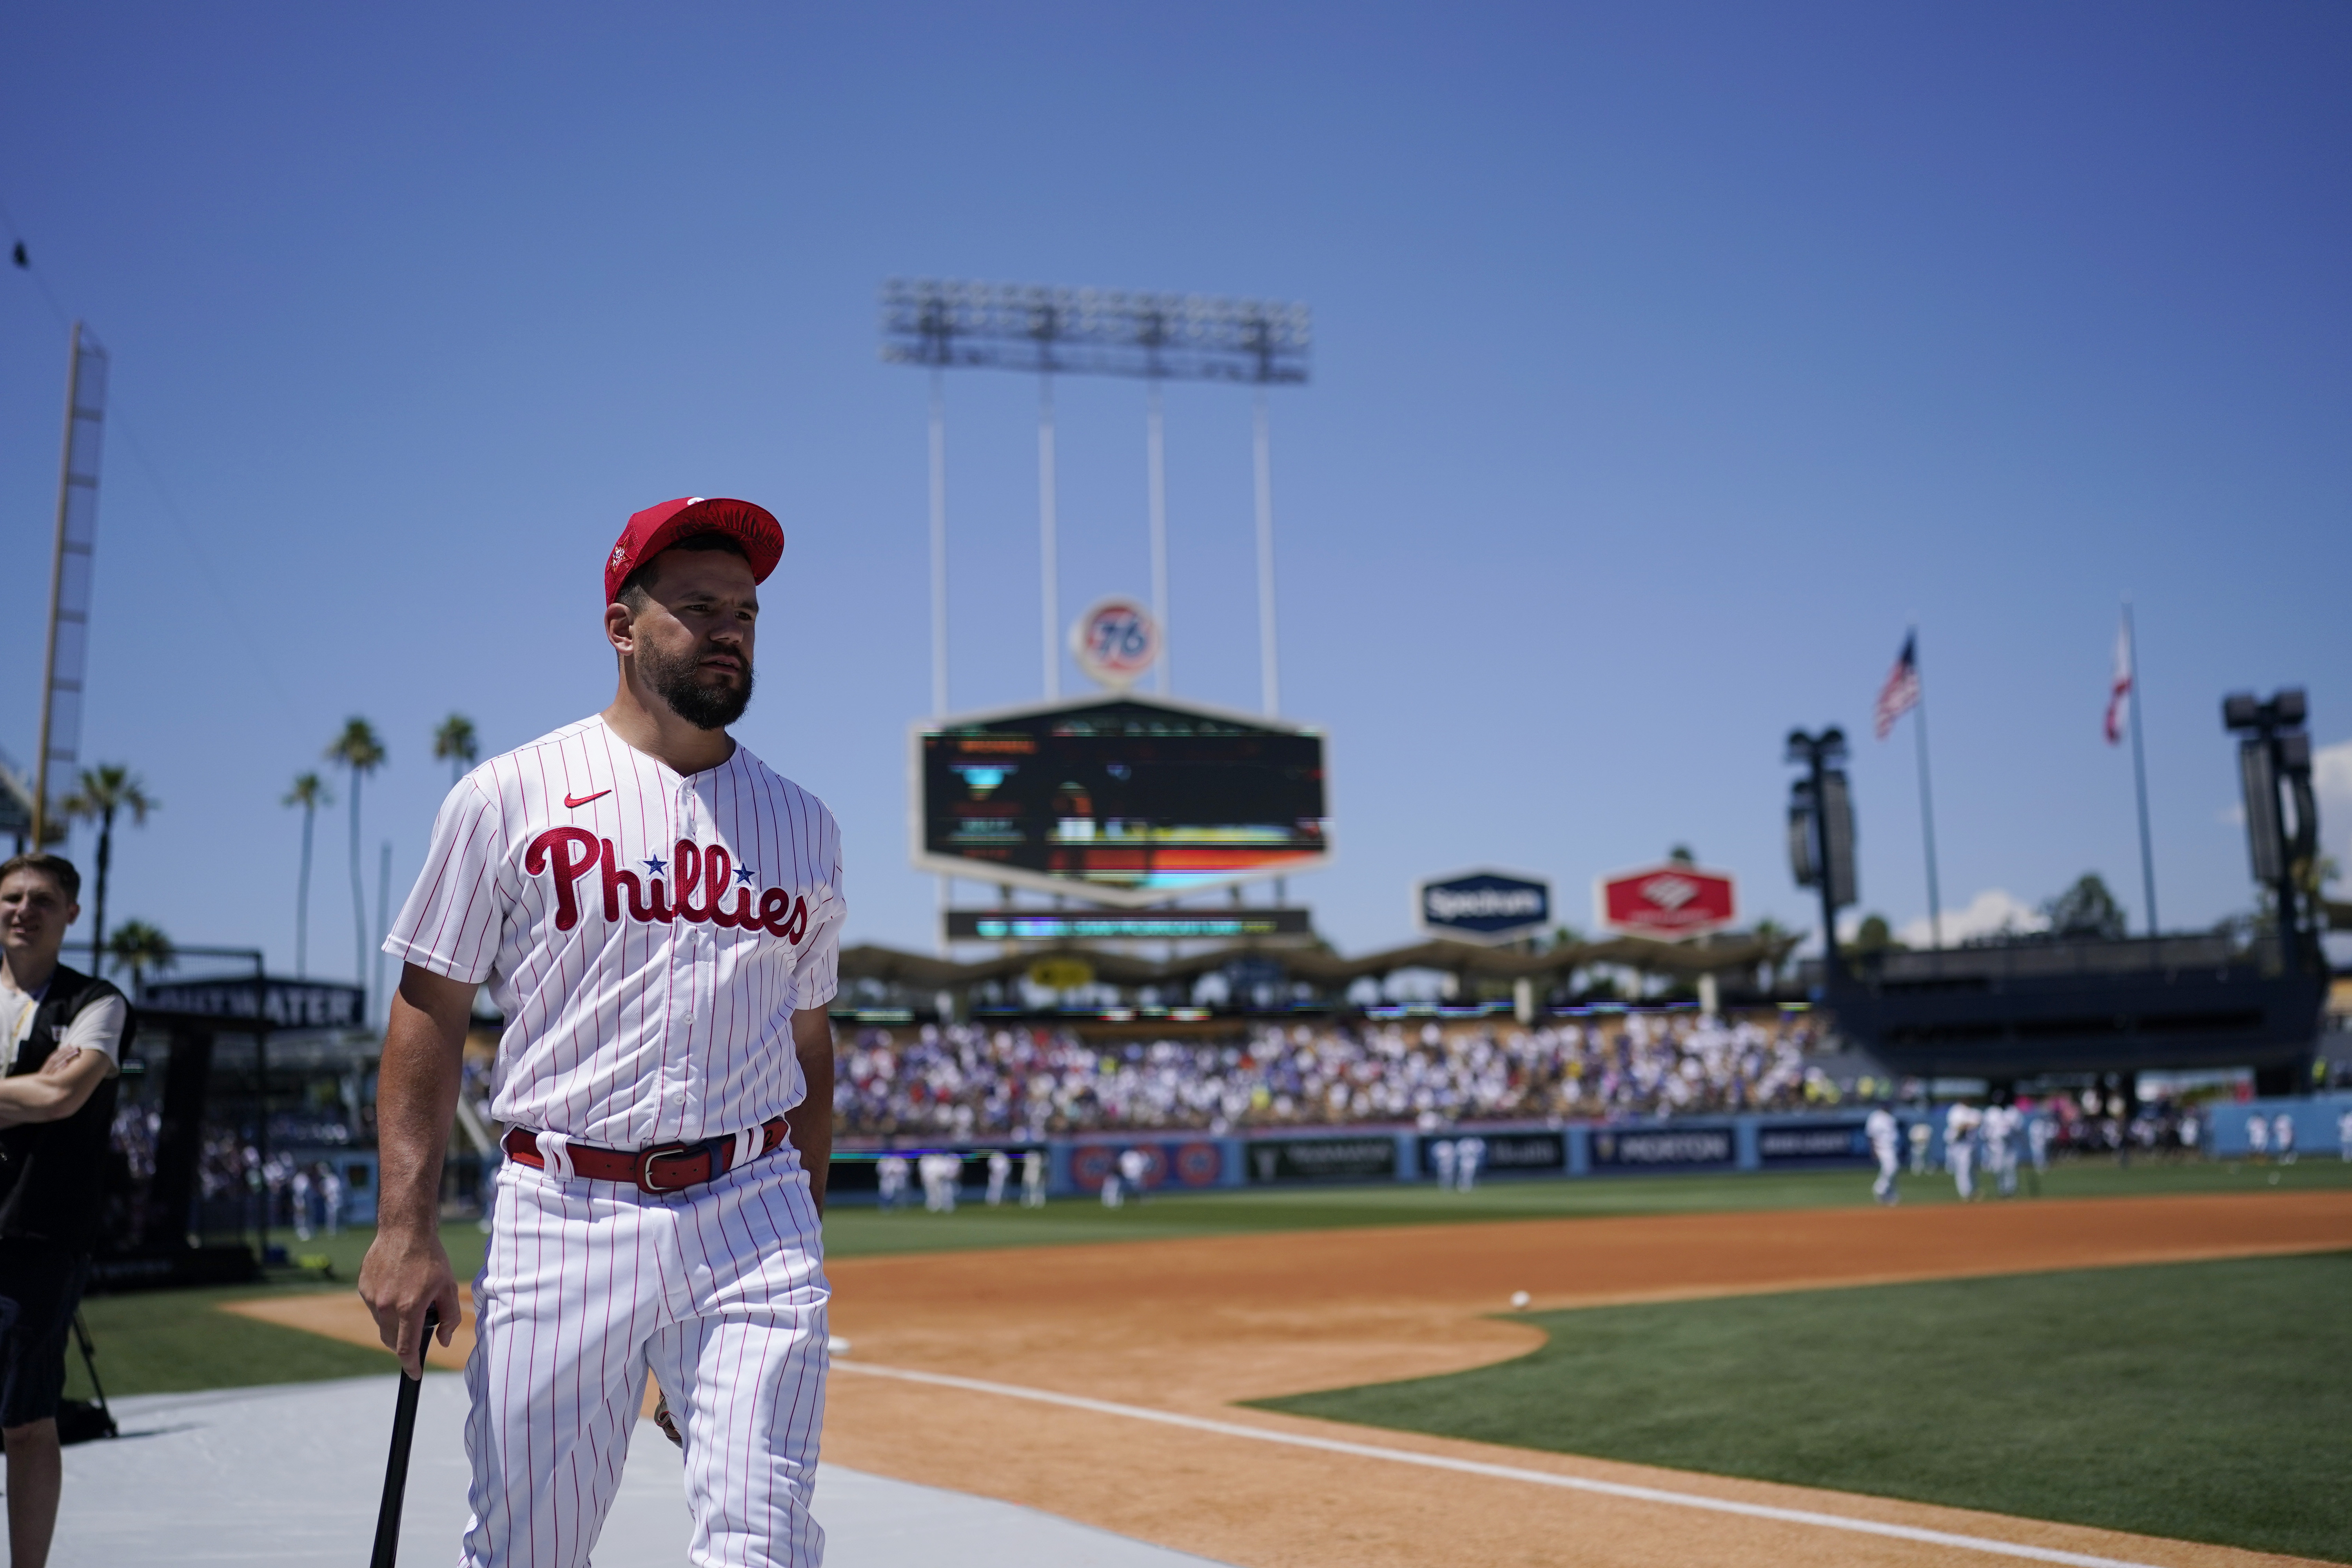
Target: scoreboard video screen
{"points": [[1126, 800]]}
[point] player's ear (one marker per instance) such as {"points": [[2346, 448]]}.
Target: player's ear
{"points": [[620, 629]]}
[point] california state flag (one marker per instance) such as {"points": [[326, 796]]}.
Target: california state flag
{"points": [[2120, 690]]}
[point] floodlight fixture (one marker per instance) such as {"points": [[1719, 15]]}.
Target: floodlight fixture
{"points": [[1052, 330], [2287, 709], [1828, 746]]}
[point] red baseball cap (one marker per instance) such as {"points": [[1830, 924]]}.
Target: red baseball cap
{"points": [[658, 528]]}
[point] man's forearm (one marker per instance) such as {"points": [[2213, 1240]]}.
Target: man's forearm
{"points": [[809, 1124], [50, 1095], [416, 1099], [29, 1098]]}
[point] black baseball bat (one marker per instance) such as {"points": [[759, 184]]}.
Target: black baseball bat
{"points": [[395, 1468]]}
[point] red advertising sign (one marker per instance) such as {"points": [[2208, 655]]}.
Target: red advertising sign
{"points": [[1667, 900]]}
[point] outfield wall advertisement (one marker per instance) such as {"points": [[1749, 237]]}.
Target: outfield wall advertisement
{"points": [[1200, 1161], [1499, 1153], [1665, 1149], [1189, 1164], [1812, 1143], [1369, 1157]]}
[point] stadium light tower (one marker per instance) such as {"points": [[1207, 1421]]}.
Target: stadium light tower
{"points": [[1092, 331], [1821, 833], [2274, 755], [57, 762]]}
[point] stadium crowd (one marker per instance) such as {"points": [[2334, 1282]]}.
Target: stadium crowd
{"points": [[969, 1080]]}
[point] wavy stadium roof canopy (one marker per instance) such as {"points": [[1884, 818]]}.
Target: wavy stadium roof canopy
{"points": [[893, 966]]}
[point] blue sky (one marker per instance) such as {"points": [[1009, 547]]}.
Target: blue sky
{"points": [[1670, 359]]}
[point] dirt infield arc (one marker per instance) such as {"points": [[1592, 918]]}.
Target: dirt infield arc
{"points": [[1188, 1327]]}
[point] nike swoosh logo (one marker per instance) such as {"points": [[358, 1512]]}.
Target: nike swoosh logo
{"points": [[576, 801]]}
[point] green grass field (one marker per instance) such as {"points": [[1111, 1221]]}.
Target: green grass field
{"points": [[160, 1342], [865, 1232], [173, 1342], [2203, 1401]]}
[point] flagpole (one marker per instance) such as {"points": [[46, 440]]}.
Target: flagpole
{"points": [[1926, 799], [2139, 769]]}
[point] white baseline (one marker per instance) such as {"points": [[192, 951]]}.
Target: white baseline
{"points": [[1499, 1472]]}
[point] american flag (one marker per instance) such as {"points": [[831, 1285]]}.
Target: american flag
{"points": [[1901, 692], [2119, 688]]}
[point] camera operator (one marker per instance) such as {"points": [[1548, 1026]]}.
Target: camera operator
{"points": [[61, 1036]]}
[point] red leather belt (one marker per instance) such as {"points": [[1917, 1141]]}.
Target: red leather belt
{"points": [[665, 1168]]}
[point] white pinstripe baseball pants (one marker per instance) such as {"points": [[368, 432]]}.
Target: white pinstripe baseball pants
{"points": [[721, 1289]]}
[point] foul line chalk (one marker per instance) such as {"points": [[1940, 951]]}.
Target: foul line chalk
{"points": [[1500, 1472]]}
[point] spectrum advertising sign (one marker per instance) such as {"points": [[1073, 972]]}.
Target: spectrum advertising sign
{"points": [[1483, 906], [1669, 901]]}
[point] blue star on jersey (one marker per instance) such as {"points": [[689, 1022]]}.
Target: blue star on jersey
{"points": [[743, 875]]}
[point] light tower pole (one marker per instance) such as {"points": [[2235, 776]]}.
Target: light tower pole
{"points": [[1269, 666], [938, 543], [1155, 442], [1048, 547], [1049, 331], [57, 759], [1821, 834], [2281, 835]]}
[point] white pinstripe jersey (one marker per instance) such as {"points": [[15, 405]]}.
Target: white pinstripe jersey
{"points": [[646, 935]]}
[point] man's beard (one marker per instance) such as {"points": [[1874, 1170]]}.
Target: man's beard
{"points": [[679, 685]]}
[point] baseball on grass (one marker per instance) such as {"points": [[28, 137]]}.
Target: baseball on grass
{"points": [[1519, 1298]]}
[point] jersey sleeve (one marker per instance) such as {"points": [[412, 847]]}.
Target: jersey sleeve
{"points": [[816, 978], [454, 915], [98, 1027]]}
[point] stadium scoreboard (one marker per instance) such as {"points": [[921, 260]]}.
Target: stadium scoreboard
{"points": [[1120, 800]]}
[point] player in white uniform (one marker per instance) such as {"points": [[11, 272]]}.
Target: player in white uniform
{"points": [[658, 916], [942, 1174], [2039, 1129], [1441, 1159], [1885, 1137], [1033, 1179], [1000, 1172], [890, 1179], [2283, 1137], [1134, 1166], [2343, 1137], [1960, 1124], [2000, 1134], [2258, 1133], [1468, 1156]]}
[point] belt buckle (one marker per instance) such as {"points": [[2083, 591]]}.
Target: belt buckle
{"points": [[669, 1152]]}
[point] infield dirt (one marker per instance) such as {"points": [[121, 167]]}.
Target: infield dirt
{"points": [[1195, 1326]]}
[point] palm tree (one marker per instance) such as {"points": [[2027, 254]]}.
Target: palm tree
{"points": [[1777, 945], [105, 790], [310, 792], [454, 742], [359, 750], [140, 947]]}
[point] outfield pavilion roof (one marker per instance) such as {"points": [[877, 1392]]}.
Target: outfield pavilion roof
{"points": [[895, 966]]}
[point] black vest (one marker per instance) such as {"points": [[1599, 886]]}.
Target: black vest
{"points": [[53, 1173]]}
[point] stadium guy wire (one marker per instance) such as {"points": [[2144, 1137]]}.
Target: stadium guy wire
{"points": [[120, 420]]}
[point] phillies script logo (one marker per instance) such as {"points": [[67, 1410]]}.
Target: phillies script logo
{"points": [[698, 871]]}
